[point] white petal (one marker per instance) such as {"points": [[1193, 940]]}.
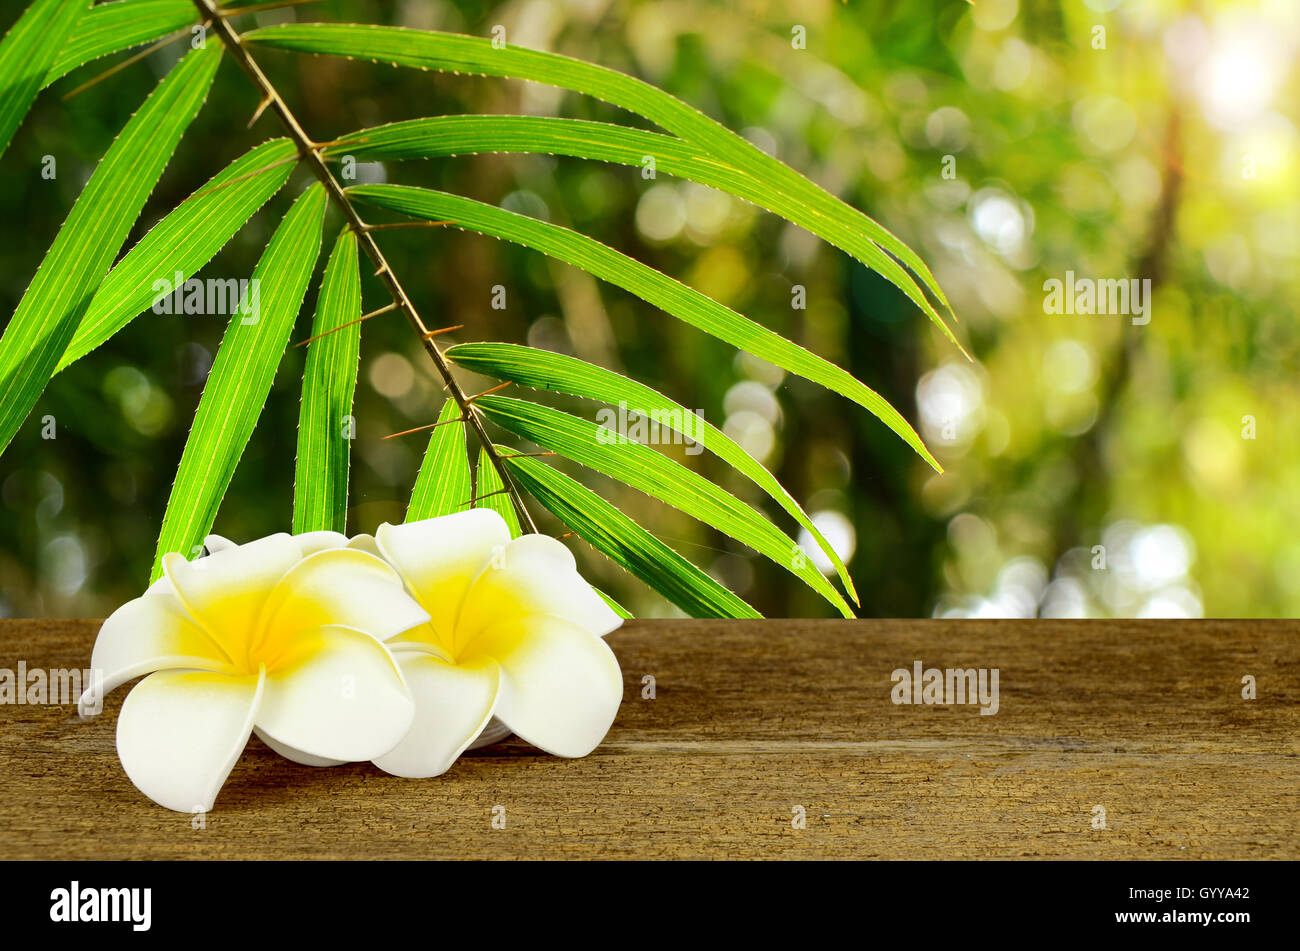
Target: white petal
{"points": [[153, 632], [452, 705], [366, 543], [341, 586], [312, 542], [308, 542], [560, 685], [298, 756], [216, 543], [180, 733], [161, 586], [440, 557], [226, 591], [535, 574], [494, 732], [337, 695]]}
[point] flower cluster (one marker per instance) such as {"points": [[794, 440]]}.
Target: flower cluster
{"points": [[398, 648]]}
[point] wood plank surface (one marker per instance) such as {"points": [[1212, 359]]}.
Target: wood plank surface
{"points": [[749, 721]]}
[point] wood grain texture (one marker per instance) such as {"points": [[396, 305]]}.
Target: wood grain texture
{"points": [[751, 719]]}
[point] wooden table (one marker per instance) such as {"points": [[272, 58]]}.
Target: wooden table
{"points": [[751, 723]]}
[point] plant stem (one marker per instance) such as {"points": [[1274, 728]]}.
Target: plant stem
{"points": [[310, 153]]}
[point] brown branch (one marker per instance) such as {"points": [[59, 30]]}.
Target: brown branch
{"points": [[310, 151], [1089, 454]]}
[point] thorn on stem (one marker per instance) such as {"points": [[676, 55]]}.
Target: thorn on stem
{"points": [[257, 7], [430, 334], [485, 495], [491, 389], [244, 177], [404, 224], [420, 429], [261, 108], [118, 67], [374, 313]]}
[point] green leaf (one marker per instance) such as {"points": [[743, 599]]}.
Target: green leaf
{"points": [[605, 142], [664, 292], [653, 473], [614, 606], [608, 530], [320, 488], [182, 242], [26, 53], [472, 54], [112, 27], [443, 485], [542, 369], [490, 492], [241, 378], [93, 233]]}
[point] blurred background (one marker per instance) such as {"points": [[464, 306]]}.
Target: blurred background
{"points": [[1095, 467]]}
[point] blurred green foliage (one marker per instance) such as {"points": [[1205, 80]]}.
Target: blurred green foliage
{"points": [[1094, 466]]}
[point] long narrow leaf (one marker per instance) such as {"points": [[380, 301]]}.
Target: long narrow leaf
{"points": [[614, 606], [471, 54], [606, 142], [545, 370], [112, 27], [653, 473], [26, 53], [664, 292], [325, 423], [182, 243], [443, 485], [241, 378], [608, 530], [491, 494], [47, 316]]}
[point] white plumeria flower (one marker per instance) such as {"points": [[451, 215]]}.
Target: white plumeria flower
{"points": [[309, 542], [282, 636], [514, 632]]}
